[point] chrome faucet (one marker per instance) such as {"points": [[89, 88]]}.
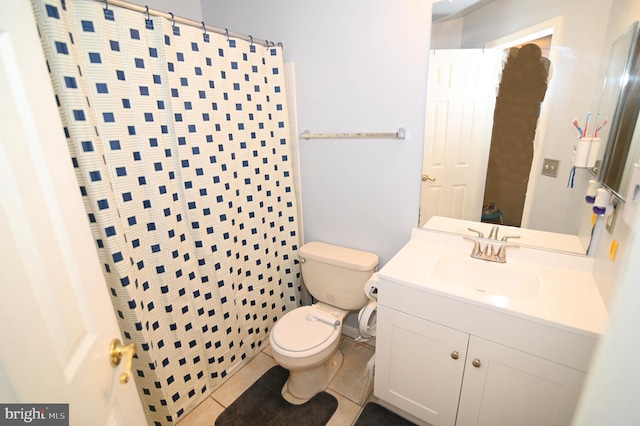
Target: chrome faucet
{"points": [[493, 234], [489, 253]]}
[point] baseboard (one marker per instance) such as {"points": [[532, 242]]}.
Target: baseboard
{"points": [[354, 333]]}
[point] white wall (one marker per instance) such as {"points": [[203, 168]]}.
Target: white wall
{"points": [[612, 387], [607, 272]]}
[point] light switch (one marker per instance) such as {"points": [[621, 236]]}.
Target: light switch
{"points": [[550, 167]]}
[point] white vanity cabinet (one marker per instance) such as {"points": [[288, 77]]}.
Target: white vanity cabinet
{"points": [[436, 373], [447, 362], [503, 386], [419, 366], [462, 341]]}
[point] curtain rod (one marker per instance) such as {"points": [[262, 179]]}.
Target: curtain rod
{"points": [[185, 21]]}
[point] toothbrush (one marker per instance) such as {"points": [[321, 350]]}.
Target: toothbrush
{"points": [[577, 126], [595, 134], [595, 128], [586, 125]]}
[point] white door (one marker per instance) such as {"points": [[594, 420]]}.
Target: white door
{"points": [[56, 319], [505, 387], [419, 366], [461, 92]]}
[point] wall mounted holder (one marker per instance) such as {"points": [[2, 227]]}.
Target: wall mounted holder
{"points": [[592, 191], [585, 152], [610, 219], [400, 134]]}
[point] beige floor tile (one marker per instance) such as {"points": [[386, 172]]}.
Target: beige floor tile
{"points": [[204, 414], [346, 413], [347, 386], [352, 381], [243, 379]]}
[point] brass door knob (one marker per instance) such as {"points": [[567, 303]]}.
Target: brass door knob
{"points": [[454, 355], [476, 363], [428, 178], [116, 352]]}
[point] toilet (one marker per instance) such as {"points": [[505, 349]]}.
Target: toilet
{"points": [[305, 341]]}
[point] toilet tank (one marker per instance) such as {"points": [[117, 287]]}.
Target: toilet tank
{"points": [[336, 275]]}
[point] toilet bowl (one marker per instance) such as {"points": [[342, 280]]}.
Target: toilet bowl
{"points": [[308, 348], [305, 341]]}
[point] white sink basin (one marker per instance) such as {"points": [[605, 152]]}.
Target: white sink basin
{"points": [[487, 277]]}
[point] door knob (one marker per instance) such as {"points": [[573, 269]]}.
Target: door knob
{"points": [[476, 363], [428, 178], [454, 355], [116, 352]]}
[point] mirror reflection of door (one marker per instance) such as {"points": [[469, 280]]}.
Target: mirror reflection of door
{"points": [[461, 95], [520, 95]]}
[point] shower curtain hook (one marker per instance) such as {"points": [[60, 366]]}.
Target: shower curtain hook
{"points": [[204, 29], [227, 31], [251, 38], [173, 20], [266, 42], [148, 17], [106, 4]]}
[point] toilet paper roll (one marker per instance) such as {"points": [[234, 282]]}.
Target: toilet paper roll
{"points": [[371, 287], [367, 320], [326, 317]]}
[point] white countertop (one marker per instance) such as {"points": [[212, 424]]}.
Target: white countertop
{"points": [[566, 297]]}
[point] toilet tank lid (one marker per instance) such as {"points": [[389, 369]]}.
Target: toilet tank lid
{"points": [[340, 256]]}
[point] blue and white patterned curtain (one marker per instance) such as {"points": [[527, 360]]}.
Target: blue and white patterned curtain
{"points": [[181, 146]]}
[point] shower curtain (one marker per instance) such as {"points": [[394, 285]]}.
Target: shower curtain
{"points": [[181, 147]]}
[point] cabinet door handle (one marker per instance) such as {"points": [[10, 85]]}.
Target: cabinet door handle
{"points": [[476, 363], [454, 355]]}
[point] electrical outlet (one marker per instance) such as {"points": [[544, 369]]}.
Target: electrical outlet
{"points": [[550, 167]]}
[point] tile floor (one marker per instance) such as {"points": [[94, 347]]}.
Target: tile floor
{"points": [[349, 386]]}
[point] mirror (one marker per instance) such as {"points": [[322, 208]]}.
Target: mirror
{"points": [[579, 53], [620, 102]]}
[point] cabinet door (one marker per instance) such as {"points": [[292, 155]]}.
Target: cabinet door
{"points": [[513, 388], [416, 369]]}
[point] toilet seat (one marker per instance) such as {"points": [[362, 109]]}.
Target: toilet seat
{"points": [[298, 331]]}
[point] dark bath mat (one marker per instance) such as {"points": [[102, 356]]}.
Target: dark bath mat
{"points": [[262, 404], [376, 415]]}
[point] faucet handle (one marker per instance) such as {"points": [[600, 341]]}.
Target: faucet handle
{"points": [[480, 234], [501, 255], [506, 237], [476, 246]]}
